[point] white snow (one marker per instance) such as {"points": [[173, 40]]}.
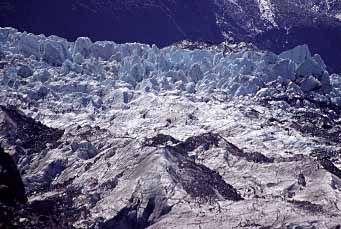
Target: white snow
{"points": [[266, 10]]}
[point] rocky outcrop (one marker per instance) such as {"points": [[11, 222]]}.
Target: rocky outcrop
{"points": [[12, 189]]}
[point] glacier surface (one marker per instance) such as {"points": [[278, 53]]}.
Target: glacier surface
{"points": [[133, 136], [102, 74]]}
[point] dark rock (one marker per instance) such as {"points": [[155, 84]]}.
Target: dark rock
{"points": [[3, 64], [319, 124], [301, 180], [206, 140], [330, 167], [131, 216], [197, 180], [255, 157], [24, 70], [336, 227], [33, 135], [323, 153], [308, 206], [12, 189], [160, 139]]}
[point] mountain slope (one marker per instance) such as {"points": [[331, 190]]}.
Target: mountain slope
{"points": [[130, 136]]}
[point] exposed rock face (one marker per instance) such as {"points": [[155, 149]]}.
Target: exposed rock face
{"points": [[33, 135], [12, 189], [141, 137]]}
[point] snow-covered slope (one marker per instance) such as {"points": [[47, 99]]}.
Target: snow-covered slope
{"points": [[133, 136]]}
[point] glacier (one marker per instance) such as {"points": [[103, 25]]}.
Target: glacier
{"points": [[110, 135], [62, 71]]}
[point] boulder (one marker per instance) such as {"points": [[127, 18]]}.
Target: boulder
{"points": [[24, 70], [42, 91], [38, 92], [42, 76], [11, 72], [53, 168], [84, 149]]}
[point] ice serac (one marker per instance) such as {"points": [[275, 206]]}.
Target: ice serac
{"points": [[298, 54], [29, 45], [55, 52], [82, 46], [310, 67], [111, 135], [170, 69]]}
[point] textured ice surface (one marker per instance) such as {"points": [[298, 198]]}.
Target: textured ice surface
{"points": [[172, 138], [75, 73]]}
